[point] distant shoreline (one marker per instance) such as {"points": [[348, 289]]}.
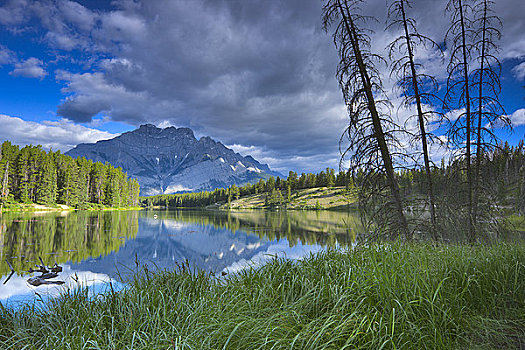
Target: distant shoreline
{"points": [[315, 198], [36, 208]]}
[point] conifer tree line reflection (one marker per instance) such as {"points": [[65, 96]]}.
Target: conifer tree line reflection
{"points": [[72, 237]]}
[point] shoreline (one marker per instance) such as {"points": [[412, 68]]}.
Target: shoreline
{"points": [[40, 208]]}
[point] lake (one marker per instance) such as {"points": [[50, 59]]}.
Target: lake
{"points": [[94, 248]]}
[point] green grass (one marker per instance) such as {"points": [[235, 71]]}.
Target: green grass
{"points": [[336, 198], [380, 297], [517, 222]]}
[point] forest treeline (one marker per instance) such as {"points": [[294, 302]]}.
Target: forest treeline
{"points": [[32, 175], [502, 173], [278, 191]]}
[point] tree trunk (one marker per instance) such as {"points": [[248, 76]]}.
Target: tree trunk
{"points": [[480, 107], [471, 229], [421, 121], [376, 121]]}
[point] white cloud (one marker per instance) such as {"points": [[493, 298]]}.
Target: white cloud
{"points": [[284, 163], [119, 25], [93, 93], [58, 135], [13, 12], [165, 124], [518, 117], [6, 56], [77, 14], [30, 68], [63, 41], [519, 71]]}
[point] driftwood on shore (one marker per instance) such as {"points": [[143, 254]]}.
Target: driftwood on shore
{"points": [[39, 280], [46, 273], [12, 271]]}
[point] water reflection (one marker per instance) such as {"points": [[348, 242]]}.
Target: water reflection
{"points": [[322, 227], [19, 291], [105, 246], [62, 237]]}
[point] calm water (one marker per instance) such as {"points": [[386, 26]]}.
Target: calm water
{"points": [[97, 247]]}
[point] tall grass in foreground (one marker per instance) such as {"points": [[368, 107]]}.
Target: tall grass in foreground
{"points": [[389, 296]]}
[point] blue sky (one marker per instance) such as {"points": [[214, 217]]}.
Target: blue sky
{"points": [[258, 76]]}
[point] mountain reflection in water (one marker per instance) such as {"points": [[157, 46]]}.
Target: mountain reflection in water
{"points": [[104, 246]]}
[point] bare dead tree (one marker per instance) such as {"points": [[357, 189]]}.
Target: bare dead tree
{"points": [[486, 82], [417, 88], [370, 131], [459, 39]]}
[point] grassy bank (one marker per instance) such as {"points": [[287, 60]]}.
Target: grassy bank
{"points": [[308, 198], [398, 297], [33, 207]]}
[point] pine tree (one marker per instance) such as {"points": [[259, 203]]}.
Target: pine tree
{"points": [[98, 178], [370, 131], [417, 88], [486, 80], [83, 182], [111, 188], [5, 183], [47, 181], [35, 163], [23, 175], [459, 89], [270, 184], [67, 181]]}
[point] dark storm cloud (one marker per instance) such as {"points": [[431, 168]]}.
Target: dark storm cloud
{"points": [[250, 73], [255, 74]]}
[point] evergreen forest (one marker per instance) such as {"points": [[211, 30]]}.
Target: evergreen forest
{"points": [[456, 109], [32, 175]]}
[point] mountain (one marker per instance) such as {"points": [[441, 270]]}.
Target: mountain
{"points": [[172, 160]]}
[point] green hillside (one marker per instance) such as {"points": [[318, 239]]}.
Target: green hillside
{"points": [[309, 198]]}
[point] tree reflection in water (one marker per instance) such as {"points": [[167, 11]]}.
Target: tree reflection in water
{"points": [[62, 237]]}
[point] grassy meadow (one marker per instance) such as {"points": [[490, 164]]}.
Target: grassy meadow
{"points": [[308, 198]]}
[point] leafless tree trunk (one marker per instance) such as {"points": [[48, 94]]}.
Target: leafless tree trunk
{"points": [[359, 81], [410, 82], [486, 80], [458, 88]]}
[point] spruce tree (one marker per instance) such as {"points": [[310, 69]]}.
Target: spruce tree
{"points": [[23, 175], [47, 181]]}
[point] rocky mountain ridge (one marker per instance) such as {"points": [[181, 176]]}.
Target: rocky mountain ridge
{"points": [[172, 160]]}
